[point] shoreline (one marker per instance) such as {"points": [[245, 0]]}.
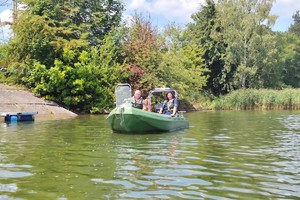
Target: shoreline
{"points": [[15, 99]]}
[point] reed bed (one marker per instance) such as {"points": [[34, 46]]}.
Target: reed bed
{"points": [[251, 99]]}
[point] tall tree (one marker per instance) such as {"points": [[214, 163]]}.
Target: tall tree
{"points": [[290, 58], [292, 69], [45, 27], [240, 48], [295, 27], [161, 60], [183, 64], [207, 33], [141, 47], [85, 85], [55, 45], [251, 45], [291, 53]]}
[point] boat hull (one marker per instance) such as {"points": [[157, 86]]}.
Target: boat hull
{"points": [[129, 119]]}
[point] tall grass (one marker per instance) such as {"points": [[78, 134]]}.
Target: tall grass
{"points": [[259, 99]]}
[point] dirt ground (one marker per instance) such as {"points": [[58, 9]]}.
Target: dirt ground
{"points": [[14, 99]]}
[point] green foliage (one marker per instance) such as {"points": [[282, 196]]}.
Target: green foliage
{"points": [[81, 20], [34, 42], [239, 48], [68, 51], [295, 27], [290, 59], [4, 62], [166, 60], [46, 29], [205, 30], [141, 46], [182, 67], [259, 99], [251, 46], [292, 66], [86, 86]]}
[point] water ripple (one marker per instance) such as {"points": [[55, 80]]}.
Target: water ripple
{"points": [[13, 171], [8, 187], [225, 155], [13, 174]]}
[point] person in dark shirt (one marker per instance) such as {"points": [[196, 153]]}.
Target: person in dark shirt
{"points": [[170, 105]]}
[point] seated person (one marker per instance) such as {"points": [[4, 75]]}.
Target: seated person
{"points": [[147, 105], [137, 100], [170, 105]]}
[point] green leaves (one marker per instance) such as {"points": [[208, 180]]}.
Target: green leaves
{"points": [[295, 28], [66, 52], [141, 49], [291, 59], [71, 52], [240, 49], [184, 63], [248, 39]]}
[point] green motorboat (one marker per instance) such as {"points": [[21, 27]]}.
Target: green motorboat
{"points": [[125, 118]]}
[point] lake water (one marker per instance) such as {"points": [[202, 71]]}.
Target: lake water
{"points": [[223, 155]]}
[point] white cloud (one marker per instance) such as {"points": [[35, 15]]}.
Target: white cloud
{"points": [[175, 8], [136, 4], [284, 9], [6, 15], [5, 31], [180, 11], [165, 10]]}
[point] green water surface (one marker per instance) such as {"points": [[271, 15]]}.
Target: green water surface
{"points": [[223, 155]]}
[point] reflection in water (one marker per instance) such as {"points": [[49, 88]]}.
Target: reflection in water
{"points": [[217, 162], [154, 170], [287, 168], [13, 171], [8, 187], [224, 155], [291, 122]]}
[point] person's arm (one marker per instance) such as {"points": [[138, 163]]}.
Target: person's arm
{"points": [[174, 111], [175, 107], [145, 104], [161, 108]]}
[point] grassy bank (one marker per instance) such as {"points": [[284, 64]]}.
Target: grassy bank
{"points": [[259, 99]]}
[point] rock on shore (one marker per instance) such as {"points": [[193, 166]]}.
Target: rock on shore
{"points": [[14, 99]]}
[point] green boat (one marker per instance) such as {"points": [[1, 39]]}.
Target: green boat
{"points": [[125, 118]]}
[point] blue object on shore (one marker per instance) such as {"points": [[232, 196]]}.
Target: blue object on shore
{"points": [[19, 116], [12, 118]]}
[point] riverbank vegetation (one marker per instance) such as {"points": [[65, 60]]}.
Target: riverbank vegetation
{"points": [[254, 99], [76, 52]]}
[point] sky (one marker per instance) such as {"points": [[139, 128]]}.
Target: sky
{"points": [[163, 12]]}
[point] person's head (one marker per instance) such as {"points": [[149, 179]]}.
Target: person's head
{"points": [[170, 96], [137, 94]]}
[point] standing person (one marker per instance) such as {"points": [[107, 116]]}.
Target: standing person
{"points": [[170, 105]]}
